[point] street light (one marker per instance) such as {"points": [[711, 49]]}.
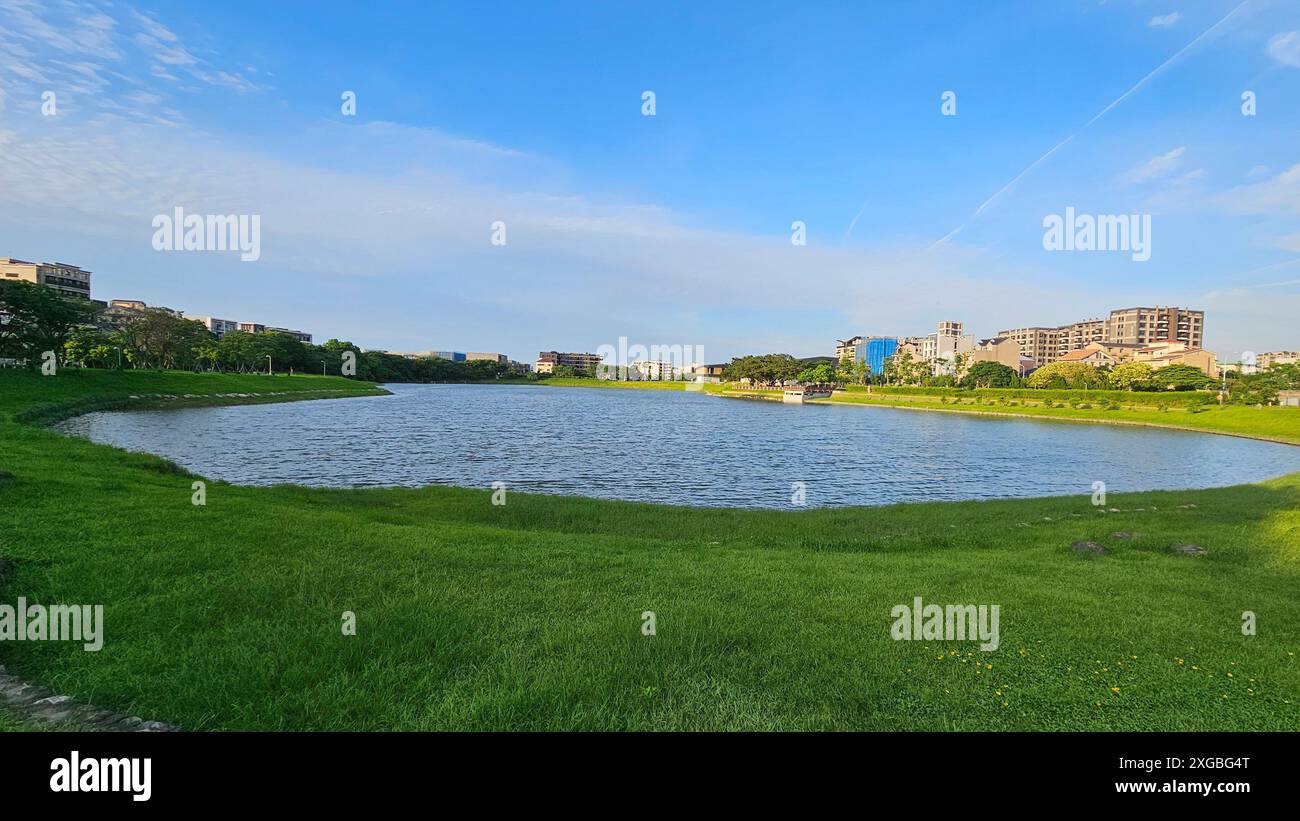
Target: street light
{"points": [[268, 365]]}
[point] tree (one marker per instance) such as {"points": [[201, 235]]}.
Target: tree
{"points": [[164, 339], [1075, 375], [36, 318], [989, 375], [91, 348], [821, 374], [767, 369], [1131, 376], [1180, 378], [904, 369]]}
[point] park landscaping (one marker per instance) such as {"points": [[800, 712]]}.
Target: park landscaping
{"points": [[529, 615]]}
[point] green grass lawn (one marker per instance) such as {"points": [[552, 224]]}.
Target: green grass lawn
{"points": [[1275, 423], [528, 615]]}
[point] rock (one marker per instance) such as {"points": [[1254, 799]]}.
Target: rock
{"points": [[1190, 549], [1123, 535], [1089, 547]]}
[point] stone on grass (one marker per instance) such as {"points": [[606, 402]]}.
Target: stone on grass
{"points": [[1190, 549], [1123, 535]]}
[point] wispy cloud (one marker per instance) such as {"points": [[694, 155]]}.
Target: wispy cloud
{"points": [[1155, 167], [1164, 20], [1276, 197], [1285, 48]]}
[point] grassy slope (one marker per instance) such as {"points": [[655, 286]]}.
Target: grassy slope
{"points": [[1275, 423], [528, 615]]}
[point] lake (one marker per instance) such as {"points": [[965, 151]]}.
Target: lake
{"points": [[682, 448]]}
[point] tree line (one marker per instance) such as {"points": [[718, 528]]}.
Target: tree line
{"points": [[35, 319], [903, 369]]}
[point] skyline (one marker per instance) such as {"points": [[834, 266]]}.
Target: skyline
{"points": [[676, 227]]}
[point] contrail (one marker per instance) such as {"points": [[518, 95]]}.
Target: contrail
{"points": [[1121, 98]]}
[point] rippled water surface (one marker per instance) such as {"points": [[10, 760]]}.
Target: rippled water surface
{"points": [[672, 447]]}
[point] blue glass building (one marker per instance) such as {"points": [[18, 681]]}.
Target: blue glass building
{"points": [[877, 350]]}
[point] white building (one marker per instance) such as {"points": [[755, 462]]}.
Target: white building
{"points": [[654, 370]]}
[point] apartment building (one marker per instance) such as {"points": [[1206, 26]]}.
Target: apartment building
{"points": [[1079, 335], [1136, 327], [1265, 361], [68, 280], [1040, 344], [655, 370], [1145, 326], [301, 336], [548, 361], [846, 350], [221, 327]]}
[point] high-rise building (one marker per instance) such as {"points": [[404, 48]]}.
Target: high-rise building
{"points": [[1144, 326], [68, 280], [1126, 326]]}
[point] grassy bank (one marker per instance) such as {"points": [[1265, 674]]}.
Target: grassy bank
{"points": [[528, 615], [1272, 423]]}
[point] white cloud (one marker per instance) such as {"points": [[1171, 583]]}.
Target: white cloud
{"points": [[1165, 20], [1154, 167], [1285, 48], [1278, 196]]}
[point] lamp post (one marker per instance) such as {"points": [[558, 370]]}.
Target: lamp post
{"points": [[268, 365]]}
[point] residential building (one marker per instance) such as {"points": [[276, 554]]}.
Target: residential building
{"points": [[1038, 343], [68, 280], [1135, 327], [1149, 325], [1094, 353], [1167, 353], [941, 348], [1267, 360], [655, 370], [586, 363], [846, 350], [708, 373], [499, 358], [301, 336], [1079, 335], [220, 327], [1004, 350]]}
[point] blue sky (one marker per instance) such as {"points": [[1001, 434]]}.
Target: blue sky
{"points": [[672, 229]]}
